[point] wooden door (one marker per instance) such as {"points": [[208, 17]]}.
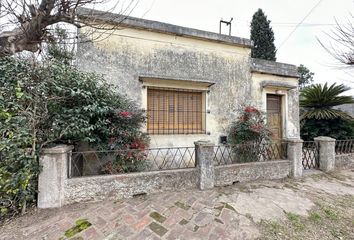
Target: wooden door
{"points": [[274, 116]]}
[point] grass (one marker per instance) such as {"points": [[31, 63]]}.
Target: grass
{"points": [[315, 217], [80, 225], [295, 220], [331, 218], [330, 213], [276, 227]]}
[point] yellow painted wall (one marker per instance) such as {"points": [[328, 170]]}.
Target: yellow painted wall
{"points": [[123, 56]]}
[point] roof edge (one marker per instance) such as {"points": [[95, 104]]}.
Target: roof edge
{"points": [[274, 68], [155, 26]]}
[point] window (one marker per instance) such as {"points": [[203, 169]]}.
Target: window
{"points": [[172, 111]]}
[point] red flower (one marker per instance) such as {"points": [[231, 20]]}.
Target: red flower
{"points": [[112, 140], [134, 145], [137, 144], [248, 109], [125, 114], [257, 127], [251, 109]]}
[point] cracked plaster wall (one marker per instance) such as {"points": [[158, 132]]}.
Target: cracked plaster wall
{"points": [[129, 53]]}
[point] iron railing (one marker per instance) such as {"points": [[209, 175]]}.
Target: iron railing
{"points": [[89, 163], [242, 153], [310, 155], [344, 146]]}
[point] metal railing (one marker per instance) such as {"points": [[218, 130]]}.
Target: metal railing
{"points": [[310, 155], [344, 146], [90, 163], [243, 153]]}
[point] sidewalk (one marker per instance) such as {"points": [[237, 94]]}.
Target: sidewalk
{"points": [[266, 210]]}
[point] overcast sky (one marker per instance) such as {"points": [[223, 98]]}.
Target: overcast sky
{"points": [[301, 47]]}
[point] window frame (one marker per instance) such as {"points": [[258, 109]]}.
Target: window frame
{"points": [[178, 125]]}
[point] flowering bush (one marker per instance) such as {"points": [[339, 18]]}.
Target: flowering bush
{"points": [[248, 132], [48, 103], [250, 127], [131, 158]]}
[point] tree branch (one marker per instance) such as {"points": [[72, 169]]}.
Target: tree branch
{"points": [[34, 21]]}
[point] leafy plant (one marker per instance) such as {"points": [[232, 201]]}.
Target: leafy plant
{"points": [[247, 133], [318, 101], [318, 115], [51, 102], [250, 127], [130, 159], [335, 128], [18, 159]]}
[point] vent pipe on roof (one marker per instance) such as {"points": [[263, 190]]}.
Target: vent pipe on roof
{"points": [[228, 23]]}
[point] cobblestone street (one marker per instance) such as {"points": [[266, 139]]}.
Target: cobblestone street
{"points": [[233, 212]]}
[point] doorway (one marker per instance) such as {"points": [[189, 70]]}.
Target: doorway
{"points": [[274, 116]]}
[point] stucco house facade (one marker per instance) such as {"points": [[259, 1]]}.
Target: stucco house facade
{"points": [[190, 82]]}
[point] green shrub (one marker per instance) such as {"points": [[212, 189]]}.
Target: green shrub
{"points": [[247, 133], [50, 102], [336, 128], [250, 127]]}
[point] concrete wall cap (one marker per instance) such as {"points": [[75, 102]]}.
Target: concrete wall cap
{"points": [[58, 149], [149, 25], [324, 139], [203, 143], [293, 140], [276, 84], [274, 68]]}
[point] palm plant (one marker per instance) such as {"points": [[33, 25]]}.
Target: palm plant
{"points": [[317, 102]]}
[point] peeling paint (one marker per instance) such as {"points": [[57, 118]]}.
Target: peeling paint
{"points": [[130, 53]]}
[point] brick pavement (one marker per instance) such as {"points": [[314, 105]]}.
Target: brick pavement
{"points": [[222, 213]]}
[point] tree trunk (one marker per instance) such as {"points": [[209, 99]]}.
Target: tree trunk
{"points": [[26, 37]]}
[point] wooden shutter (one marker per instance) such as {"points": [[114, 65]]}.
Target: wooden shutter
{"points": [[174, 111]]}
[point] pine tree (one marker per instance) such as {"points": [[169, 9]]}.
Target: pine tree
{"points": [[262, 36]]}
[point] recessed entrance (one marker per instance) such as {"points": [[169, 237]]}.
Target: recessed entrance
{"points": [[274, 116]]}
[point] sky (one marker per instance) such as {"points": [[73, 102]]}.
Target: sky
{"points": [[301, 47]]}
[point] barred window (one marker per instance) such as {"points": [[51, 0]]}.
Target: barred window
{"points": [[172, 111]]}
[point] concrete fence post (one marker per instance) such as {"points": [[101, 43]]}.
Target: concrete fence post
{"points": [[327, 153], [204, 152], [51, 180], [295, 156]]}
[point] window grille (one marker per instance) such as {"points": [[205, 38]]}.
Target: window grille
{"points": [[171, 111]]}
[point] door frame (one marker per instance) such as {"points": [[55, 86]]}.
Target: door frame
{"points": [[278, 126], [284, 106]]}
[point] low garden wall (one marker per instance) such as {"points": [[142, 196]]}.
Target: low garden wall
{"points": [[57, 187], [127, 185], [344, 161], [234, 173]]}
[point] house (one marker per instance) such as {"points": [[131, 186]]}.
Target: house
{"points": [[190, 82]]}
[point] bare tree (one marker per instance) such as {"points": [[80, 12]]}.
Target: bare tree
{"points": [[342, 45], [26, 24]]}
